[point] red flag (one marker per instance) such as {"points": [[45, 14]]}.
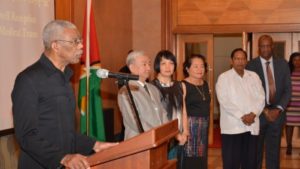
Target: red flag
{"points": [[89, 100], [93, 48]]}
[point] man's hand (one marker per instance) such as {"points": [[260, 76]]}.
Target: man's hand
{"points": [[271, 114], [75, 161], [99, 146], [248, 119]]}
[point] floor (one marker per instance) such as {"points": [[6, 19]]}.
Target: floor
{"points": [[286, 162]]}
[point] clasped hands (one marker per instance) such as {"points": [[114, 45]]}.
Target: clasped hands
{"points": [[78, 161], [248, 119], [271, 114]]}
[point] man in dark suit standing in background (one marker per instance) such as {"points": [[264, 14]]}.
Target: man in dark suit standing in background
{"points": [[275, 76]]}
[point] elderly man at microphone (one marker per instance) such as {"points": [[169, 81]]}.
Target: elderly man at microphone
{"points": [[146, 98]]}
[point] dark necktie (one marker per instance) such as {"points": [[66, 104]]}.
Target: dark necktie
{"points": [[146, 88], [271, 82]]}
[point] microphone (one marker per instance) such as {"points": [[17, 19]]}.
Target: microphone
{"points": [[103, 73]]}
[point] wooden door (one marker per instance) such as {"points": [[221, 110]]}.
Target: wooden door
{"points": [[198, 44]]}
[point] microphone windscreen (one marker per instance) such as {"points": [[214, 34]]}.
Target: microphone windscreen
{"points": [[102, 73]]}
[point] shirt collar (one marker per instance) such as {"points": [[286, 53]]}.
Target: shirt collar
{"points": [[51, 69], [264, 60], [246, 73], [141, 83]]}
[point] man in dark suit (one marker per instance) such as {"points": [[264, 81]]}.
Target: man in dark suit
{"points": [[44, 105], [275, 76]]}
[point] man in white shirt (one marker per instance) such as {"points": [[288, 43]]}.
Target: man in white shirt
{"points": [[242, 99]]}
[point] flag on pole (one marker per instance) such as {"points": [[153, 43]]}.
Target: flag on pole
{"points": [[89, 100]]}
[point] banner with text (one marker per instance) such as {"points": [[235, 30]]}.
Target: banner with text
{"points": [[21, 24]]}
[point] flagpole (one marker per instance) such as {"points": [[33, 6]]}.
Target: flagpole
{"points": [[87, 64]]}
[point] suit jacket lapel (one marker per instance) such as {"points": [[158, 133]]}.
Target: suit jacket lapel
{"points": [[141, 89], [276, 72], [261, 72]]}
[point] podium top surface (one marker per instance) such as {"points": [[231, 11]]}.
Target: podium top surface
{"points": [[142, 142]]}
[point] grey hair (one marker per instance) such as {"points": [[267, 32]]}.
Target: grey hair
{"points": [[54, 30], [132, 56]]}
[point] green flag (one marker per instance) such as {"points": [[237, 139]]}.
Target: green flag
{"points": [[91, 121]]}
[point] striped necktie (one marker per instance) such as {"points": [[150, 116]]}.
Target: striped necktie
{"points": [[271, 82]]}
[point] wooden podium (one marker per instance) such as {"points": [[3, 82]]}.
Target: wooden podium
{"points": [[145, 151]]}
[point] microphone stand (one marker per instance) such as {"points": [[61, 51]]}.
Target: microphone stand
{"points": [[135, 112]]}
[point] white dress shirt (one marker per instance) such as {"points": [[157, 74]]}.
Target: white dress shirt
{"points": [[239, 96]]}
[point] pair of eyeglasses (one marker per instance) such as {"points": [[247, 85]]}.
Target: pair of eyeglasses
{"points": [[75, 42]]}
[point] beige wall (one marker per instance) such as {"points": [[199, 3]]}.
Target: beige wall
{"points": [[122, 26], [114, 28], [146, 25]]}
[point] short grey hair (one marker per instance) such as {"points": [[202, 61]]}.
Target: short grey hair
{"points": [[132, 56], [54, 31]]}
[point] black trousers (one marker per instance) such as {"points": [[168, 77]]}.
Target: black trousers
{"points": [[270, 139], [239, 151]]}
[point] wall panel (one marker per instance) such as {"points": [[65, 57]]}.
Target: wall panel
{"points": [[236, 15], [64, 9], [147, 26]]}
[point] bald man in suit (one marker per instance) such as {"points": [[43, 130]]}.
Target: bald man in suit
{"points": [[277, 98], [146, 97]]}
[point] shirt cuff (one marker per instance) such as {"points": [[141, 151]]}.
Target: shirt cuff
{"points": [[279, 107]]}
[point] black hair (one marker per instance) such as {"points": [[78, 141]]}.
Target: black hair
{"points": [[188, 62], [237, 50], [293, 55], [166, 55]]}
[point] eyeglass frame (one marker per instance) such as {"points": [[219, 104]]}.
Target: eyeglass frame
{"points": [[75, 42]]}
